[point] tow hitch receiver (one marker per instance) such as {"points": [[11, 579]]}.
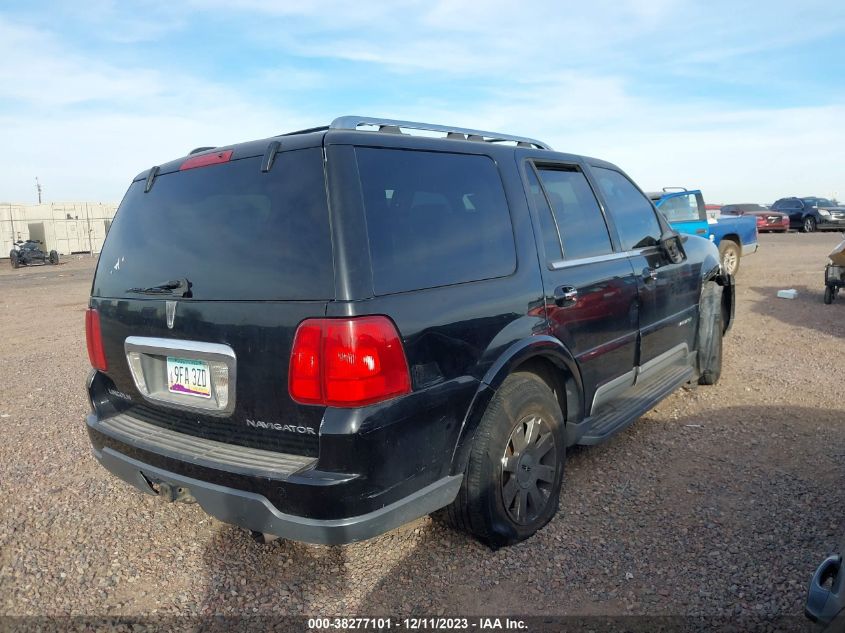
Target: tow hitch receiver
{"points": [[169, 493]]}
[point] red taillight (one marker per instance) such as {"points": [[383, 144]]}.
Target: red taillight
{"points": [[94, 338], [347, 362], [205, 160]]}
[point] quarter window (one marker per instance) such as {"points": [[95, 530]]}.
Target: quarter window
{"points": [[632, 212], [434, 219]]}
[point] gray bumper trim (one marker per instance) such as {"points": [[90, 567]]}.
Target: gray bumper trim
{"points": [[255, 512], [198, 450]]}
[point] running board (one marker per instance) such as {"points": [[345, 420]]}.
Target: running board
{"points": [[625, 409]]}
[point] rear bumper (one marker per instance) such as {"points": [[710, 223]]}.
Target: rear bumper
{"points": [[255, 512]]}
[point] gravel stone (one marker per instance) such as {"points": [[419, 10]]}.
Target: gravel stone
{"points": [[721, 501]]}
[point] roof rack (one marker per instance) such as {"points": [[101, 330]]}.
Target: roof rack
{"points": [[395, 127]]}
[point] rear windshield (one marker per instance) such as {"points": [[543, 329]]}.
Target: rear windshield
{"points": [[234, 232], [434, 219]]}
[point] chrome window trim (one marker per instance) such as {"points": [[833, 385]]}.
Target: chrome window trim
{"points": [[569, 263], [153, 346]]}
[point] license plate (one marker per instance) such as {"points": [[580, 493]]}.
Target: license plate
{"points": [[189, 377]]}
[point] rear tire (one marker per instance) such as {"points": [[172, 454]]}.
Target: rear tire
{"points": [[809, 225], [511, 486], [13, 259], [729, 254], [828, 295], [54, 257], [709, 336]]}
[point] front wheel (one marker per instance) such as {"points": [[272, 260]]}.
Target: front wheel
{"points": [[709, 336], [13, 259], [809, 224], [828, 295], [512, 482], [729, 253], [54, 257]]}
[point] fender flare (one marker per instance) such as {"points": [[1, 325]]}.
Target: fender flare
{"points": [[540, 346], [713, 272]]}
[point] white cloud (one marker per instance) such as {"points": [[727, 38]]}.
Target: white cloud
{"points": [[571, 74]]}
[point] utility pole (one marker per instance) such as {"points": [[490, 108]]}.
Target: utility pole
{"points": [[12, 222], [38, 189]]}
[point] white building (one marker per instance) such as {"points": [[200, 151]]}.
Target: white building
{"points": [[68, 227]]}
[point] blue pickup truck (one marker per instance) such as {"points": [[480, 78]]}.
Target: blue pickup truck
{"points": [[736, 236]]}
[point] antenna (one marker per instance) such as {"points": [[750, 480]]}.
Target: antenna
{"points": [[38, 189]]}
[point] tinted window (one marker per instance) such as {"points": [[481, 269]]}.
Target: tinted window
{"points": [[434, 219], [550, 237], [233, 231], [632, 212], [583, 231], [817, 202], [682, 208]]}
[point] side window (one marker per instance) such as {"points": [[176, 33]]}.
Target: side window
{"points": [[579, 220], [680, 208], [434, 219], [551, 239], [632, 212]]}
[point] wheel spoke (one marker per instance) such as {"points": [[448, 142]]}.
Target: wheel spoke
{"points": [[537, 500], [545, 473], [509, 491], [543, 446], [522, 505], [532, 431], [518, 439], [509, 463]]}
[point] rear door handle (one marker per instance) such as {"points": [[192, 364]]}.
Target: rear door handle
{"points": [[565, 296]]}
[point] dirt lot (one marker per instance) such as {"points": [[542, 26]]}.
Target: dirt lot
{"points": [[722, 500]]}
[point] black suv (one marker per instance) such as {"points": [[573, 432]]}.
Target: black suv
{"points": [[329, 333], [811, 213]]}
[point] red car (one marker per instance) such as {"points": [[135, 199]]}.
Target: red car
{"points": [[767, 220]]}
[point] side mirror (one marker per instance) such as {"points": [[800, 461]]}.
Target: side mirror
{"points": [[673, 247]]}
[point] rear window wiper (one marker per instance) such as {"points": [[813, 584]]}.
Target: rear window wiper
{"points": [[180, 287]]}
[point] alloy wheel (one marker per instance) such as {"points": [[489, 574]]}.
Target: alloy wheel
{"points": [[729, 261], [529, 464]]}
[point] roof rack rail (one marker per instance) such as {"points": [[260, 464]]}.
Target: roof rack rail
{"points": [[197, 150], [668, 189], [392, 126], [321, 128]]}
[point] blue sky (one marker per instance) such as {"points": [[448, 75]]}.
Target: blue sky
{"points": [[743, 100]]}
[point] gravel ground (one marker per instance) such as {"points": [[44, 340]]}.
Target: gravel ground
{"points": [[721, 501]]}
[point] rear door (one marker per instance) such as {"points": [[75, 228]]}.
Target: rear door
{"points": [[668, 292], [211, 359], [590, 288]]}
